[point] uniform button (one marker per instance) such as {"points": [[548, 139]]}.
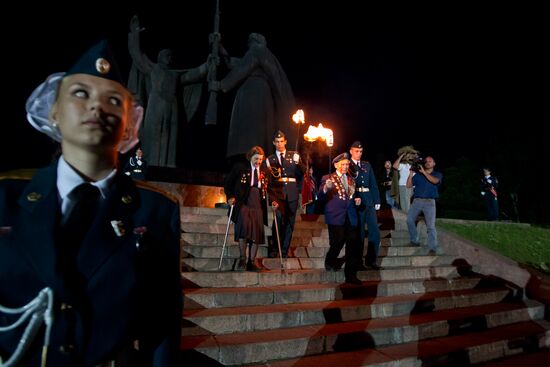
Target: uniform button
{"points": [[66, 349], [65, 306]]}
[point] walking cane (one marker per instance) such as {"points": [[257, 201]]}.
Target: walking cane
{"points": [[278, 239], [225, 238]]}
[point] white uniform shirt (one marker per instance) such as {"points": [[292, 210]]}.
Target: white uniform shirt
{"points": [[68, 179]]}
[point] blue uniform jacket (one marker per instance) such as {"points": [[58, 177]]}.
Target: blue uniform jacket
{"points": [[131, 292], [338, 202], [365, 178]]}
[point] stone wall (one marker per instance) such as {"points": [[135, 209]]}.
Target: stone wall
{"points": [[194, 195]]}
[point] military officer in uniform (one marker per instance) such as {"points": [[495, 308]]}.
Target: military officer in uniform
{"points": [[136, 166], [104, 248], [489, 186], [283, 188], [339, 193], [366, 188]]}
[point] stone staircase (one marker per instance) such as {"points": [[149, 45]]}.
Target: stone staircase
{"points": [[418, 310]]}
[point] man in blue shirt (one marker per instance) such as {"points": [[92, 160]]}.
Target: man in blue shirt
{"points": [[425, 182]]}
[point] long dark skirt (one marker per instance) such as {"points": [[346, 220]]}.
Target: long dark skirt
{"points": [[250, 223]]}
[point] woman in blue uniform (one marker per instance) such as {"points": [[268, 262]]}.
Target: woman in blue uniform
{"points": [[106, 250]]}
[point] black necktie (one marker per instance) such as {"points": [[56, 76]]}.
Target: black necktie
{"points": [[255, 178], [74, 226], [78, 220], [281, 159]]}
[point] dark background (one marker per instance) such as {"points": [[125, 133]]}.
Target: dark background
{"points": [[465, 83]]}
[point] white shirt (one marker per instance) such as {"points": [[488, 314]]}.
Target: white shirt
{"points": [[404, 170], [68, 179], [252, 175]]}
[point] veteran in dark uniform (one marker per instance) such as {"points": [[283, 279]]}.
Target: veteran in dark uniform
{"points": [[105, 248], [246, 187], [366, 188], [338, 192], [283, 189]]}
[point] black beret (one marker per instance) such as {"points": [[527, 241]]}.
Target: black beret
{"points": [[340, 157]]}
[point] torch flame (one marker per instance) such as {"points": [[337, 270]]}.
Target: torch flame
{"points": [[298, 117], [319, 133]]}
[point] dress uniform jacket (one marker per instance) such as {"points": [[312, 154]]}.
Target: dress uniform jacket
{"points": [[135, 170], [365, 180], [339, 203], [131, 278], [237, 184], [279, 188]]}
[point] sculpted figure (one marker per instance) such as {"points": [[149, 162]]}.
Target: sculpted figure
{"points": [[264, 101], [158, 87]]}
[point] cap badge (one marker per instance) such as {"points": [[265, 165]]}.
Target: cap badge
{"points": [[102, 65]]}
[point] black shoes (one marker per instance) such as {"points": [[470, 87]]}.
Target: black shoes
{"points": [[353, 280], [432, 253], [241, 264], [415, 244]]}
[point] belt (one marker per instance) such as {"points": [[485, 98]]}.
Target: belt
{"points": [[424, 199], [286, 179], [363, 189]]}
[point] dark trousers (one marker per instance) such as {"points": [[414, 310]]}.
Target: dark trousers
{"points": [[286, 217], [369, 217], [491, 203], [338, 236]]}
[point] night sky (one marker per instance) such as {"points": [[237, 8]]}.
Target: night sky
{"points": [[388, 76]]}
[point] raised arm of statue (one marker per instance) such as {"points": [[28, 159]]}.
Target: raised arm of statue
{"points": [[142, 62]]}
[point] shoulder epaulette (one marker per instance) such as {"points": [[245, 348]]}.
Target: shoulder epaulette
{"points": [[18, 174], [151, 187]]}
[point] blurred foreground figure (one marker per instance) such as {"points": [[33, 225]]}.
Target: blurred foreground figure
{"points": [[106, 249]]}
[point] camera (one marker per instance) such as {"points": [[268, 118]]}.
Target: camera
{"points": [[416, 163]]}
